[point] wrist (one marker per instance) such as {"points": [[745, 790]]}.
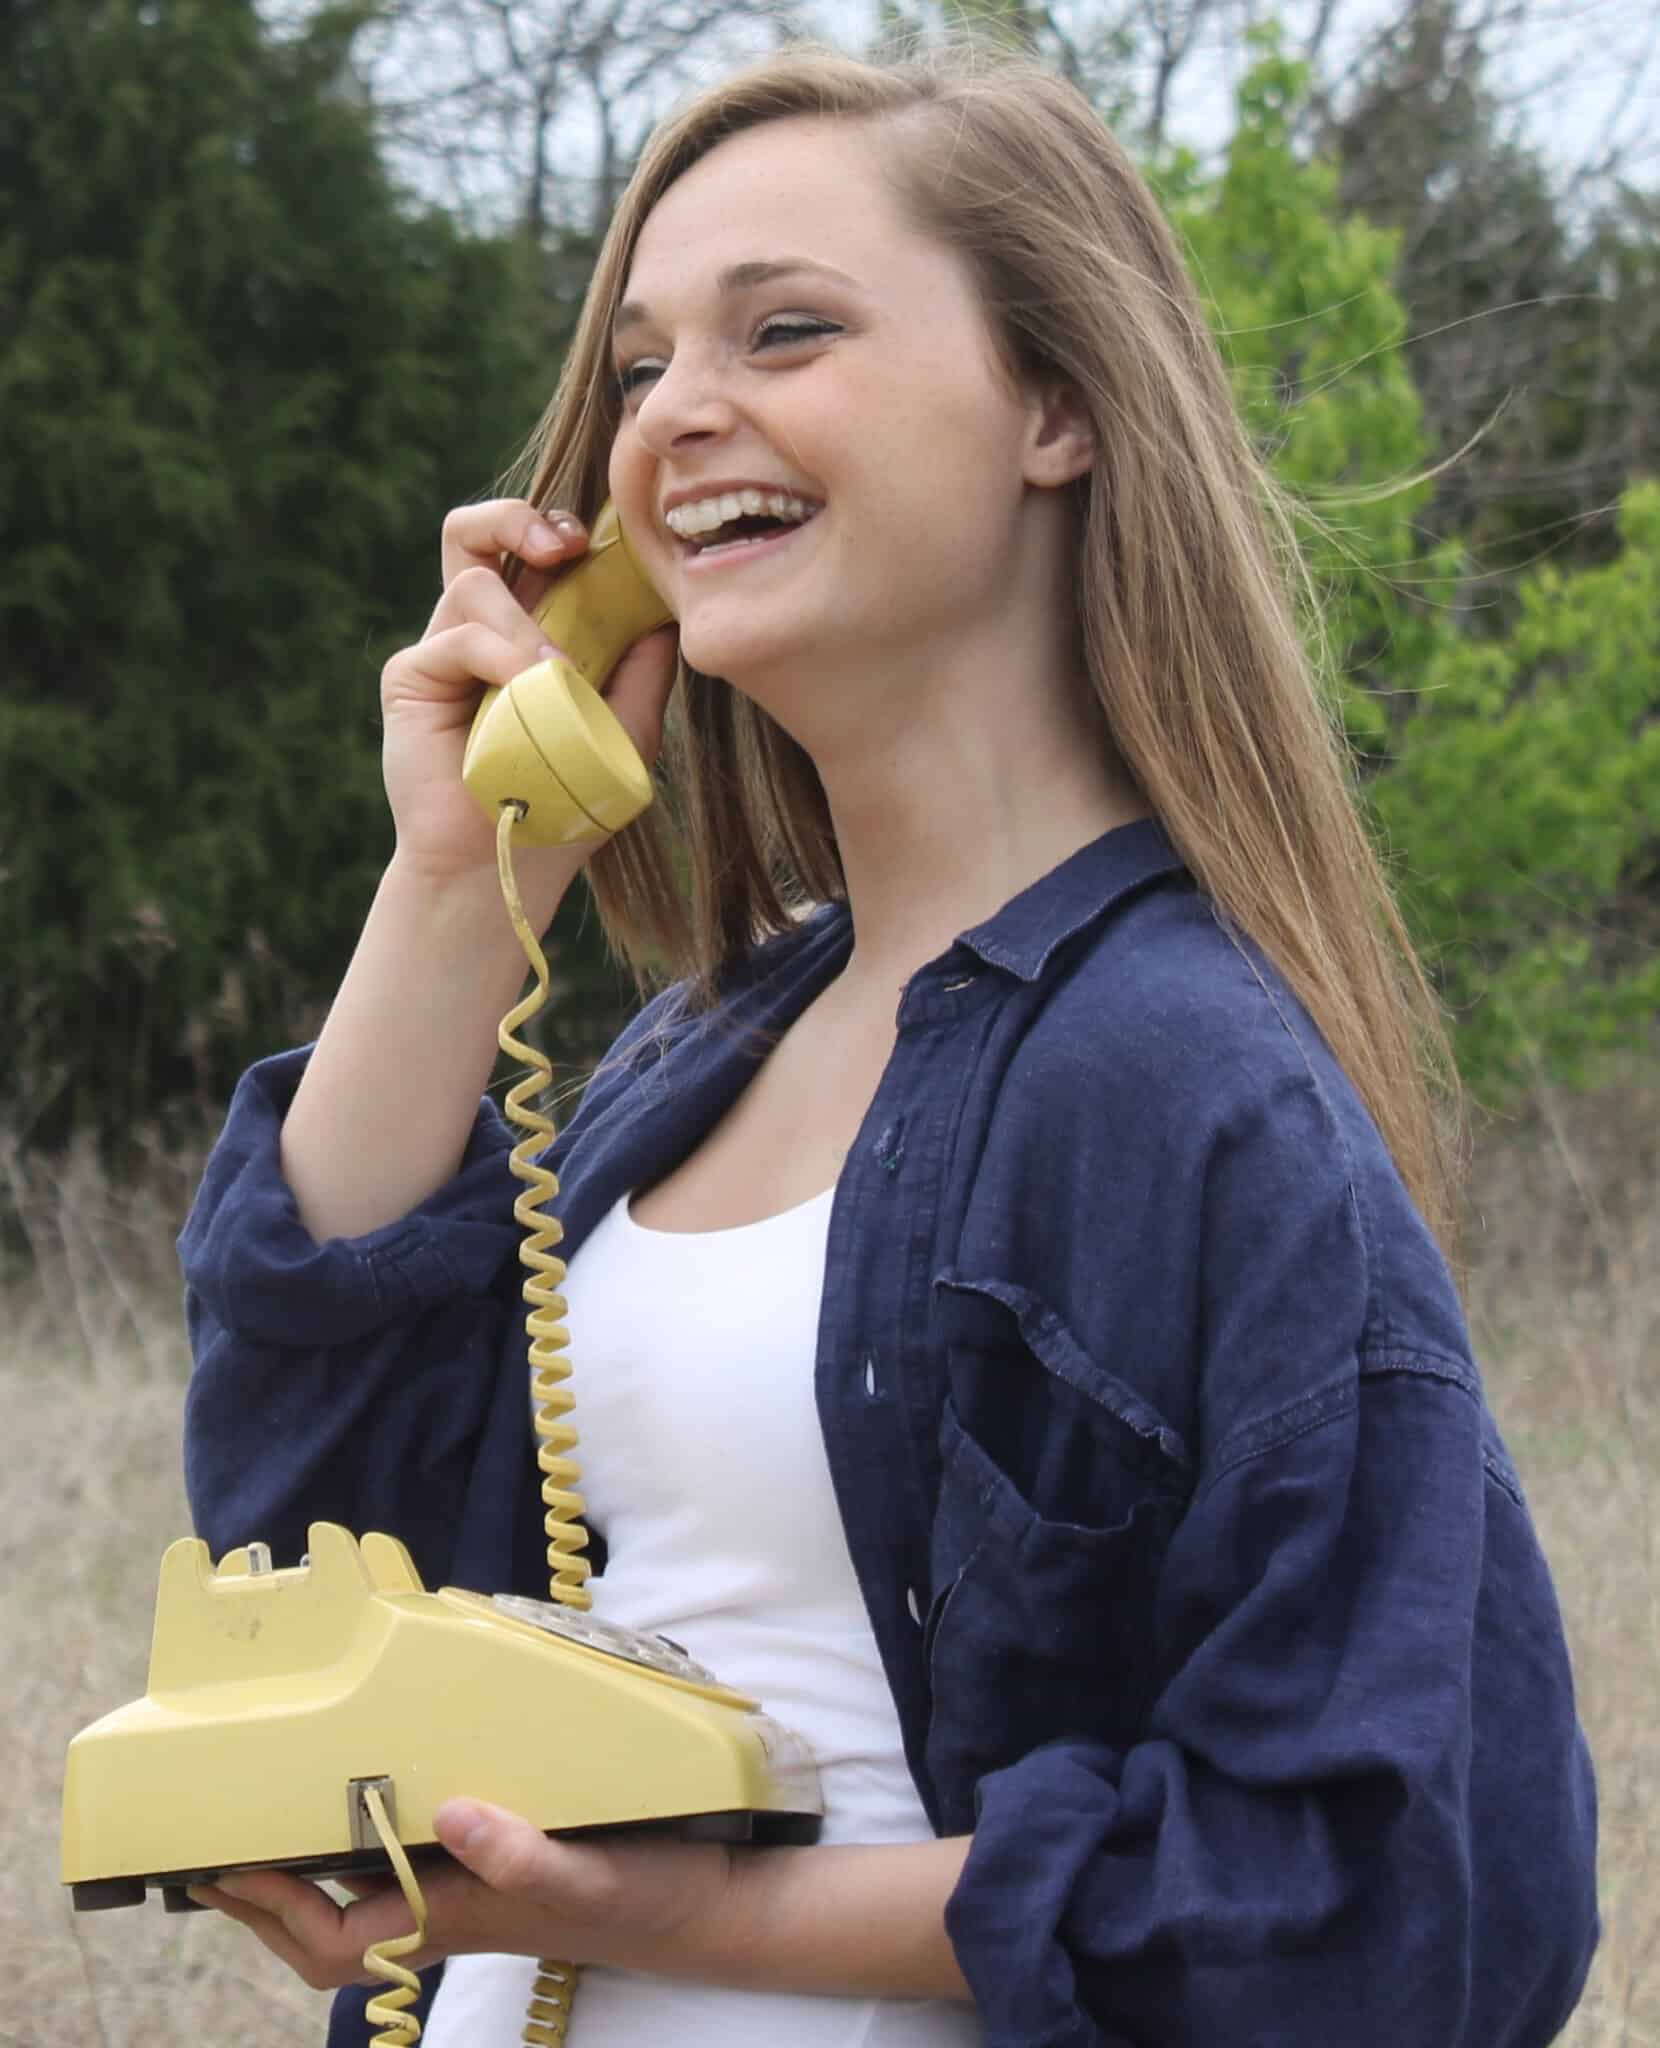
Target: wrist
{"points": [[844, 1920], [728, 1921], [464, 906]]}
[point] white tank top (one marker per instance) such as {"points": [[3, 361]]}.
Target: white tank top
{"points": [[703, 1462]]}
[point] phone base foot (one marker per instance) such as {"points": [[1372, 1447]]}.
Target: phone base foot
{"points": [[100, 1894]]}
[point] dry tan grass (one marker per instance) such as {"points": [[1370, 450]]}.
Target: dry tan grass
{"points": [[92, 1369], [1566, 1299]]}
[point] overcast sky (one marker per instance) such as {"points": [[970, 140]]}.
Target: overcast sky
{"points": [[1584, 75]]}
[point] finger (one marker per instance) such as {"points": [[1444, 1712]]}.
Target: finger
{"points": [[479, 536], [365, 1884], [479, 597], [451, 665], [321, 1942], [306, 1937]]}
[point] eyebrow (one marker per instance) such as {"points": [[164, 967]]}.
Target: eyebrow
{"points": [[739, 278]]}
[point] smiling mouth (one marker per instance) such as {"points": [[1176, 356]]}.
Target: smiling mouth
{"points": [[748, 532], [739, 517]]}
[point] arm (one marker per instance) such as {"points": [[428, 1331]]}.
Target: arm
{"points": [[387, 1101], [1360, 1809], [865, 1922], [1351, 1800], [343, 1254], [308, 1355]]}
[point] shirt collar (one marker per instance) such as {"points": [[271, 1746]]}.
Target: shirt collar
{"points": [[1022, 935]]}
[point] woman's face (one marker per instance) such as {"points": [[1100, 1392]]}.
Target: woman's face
{"points": [[785, 332]]}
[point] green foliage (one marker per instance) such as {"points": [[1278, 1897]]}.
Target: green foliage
{"points": [[1515, 780], [238, 377], [1524, 812], [1304, 307]]}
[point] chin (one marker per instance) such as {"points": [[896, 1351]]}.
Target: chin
{"points": [[738, 658]]}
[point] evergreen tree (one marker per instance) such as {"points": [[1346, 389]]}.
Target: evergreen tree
{"points": [[239, 379], [1529, 329]]}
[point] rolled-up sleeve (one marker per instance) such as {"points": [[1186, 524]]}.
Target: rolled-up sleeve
{"points": [[348, 1380], [1362, 1811], [1359, 1807]]}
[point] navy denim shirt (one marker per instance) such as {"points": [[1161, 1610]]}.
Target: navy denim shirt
{"points": [[1201, 1577]]}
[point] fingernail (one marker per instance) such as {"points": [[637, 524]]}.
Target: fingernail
{"points": [[460, 1824], [547, 651], [539, 534]]}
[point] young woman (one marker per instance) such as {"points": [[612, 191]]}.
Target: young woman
{"points": [[1012, 1336]]}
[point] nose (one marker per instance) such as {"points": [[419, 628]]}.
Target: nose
{"points": [[684, 404]]}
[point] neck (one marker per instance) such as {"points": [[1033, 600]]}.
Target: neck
{"points": [[961, 751], [943, 816]]}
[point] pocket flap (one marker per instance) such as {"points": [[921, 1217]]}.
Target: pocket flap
{"points": [[985, 1314]]}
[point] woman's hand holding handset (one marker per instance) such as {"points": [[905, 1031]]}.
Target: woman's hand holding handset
{"points": [[481, 632], [385, 1106]]}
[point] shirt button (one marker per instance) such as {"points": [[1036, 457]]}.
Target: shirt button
{"points": [[914, 1605], [870, 1374]]}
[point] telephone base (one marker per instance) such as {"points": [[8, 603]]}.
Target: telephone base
{"points": [[277, 1695], [763, 1830]]}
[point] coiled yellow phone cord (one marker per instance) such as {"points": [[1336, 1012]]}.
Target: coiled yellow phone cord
{"points": [[389, 2010], [549, 2016], [567, 1538]]}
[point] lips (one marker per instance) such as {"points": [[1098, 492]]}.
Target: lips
{"points": [[739, 547]]}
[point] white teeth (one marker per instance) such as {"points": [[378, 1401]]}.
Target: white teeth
{"points": [[704, 515]]}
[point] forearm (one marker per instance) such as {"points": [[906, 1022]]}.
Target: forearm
{"points": [[382, 1115], [859, 1922], [851, 1920]]}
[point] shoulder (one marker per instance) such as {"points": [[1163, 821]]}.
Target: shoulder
{"points": [[1170, 1066], [1165, 992], [1180, 1034]]}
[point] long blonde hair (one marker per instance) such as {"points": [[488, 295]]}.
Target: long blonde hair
{"points": [[1186, 574]]}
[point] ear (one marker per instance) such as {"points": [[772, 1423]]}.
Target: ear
{"points": [[1060, 438]]}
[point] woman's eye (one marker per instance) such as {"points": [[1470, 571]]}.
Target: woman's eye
{"points": [[783, 330], [632, 380]]}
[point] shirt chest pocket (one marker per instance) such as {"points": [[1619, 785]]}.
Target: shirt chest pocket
{"points": [[1058, 1492]]}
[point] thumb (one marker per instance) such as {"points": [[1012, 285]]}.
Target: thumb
{"points": [[507, 1853], [494, 1844]]}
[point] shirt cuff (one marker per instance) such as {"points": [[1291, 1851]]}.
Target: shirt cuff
{"points": [[1038, 1823]]}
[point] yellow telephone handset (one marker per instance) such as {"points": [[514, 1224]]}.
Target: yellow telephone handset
{"points": [[549, 741]]}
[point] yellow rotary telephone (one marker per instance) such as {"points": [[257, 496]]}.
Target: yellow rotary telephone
{"points": [[313, 1718]]}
